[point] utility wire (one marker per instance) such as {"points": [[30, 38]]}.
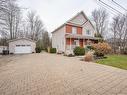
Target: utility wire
{"points": [[110, 7], [107, 8], [119, 5]]}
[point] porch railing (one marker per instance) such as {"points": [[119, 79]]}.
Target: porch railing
{"points": [[68, 47]]}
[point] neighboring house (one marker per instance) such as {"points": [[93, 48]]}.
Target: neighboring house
{"points": [[78, 31], [22, 45], [117, 45], [3, 48]]}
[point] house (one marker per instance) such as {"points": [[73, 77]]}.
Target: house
{"points": [[22, 45], [118, 46], [78, 31]]}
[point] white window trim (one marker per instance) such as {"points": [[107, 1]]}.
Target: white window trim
{"points": [[87, 32]]}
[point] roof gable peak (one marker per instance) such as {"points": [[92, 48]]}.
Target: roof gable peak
{"points": [[79, 18]]}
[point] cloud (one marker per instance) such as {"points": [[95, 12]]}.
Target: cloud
{"points": [[56, 12]]}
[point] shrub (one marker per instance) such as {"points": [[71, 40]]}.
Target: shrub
{"points": [[79, 51], [89, 56], [101, 48], [52, 50], [38, 49], [99, 54], [46, 49], [88, 48]]}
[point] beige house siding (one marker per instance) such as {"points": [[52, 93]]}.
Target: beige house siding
{"points": [[79, 19], [58, 39], [13, 44], [88, 26]]}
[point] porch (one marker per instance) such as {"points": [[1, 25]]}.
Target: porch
{"points": [[73, 41]]}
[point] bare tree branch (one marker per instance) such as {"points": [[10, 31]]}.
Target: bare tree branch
{"points": [[100, 17]]}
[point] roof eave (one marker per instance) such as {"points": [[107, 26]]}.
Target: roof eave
{"points": [[20, 39]]}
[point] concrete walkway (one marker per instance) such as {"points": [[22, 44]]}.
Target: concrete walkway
{"points": [[50, 74]]}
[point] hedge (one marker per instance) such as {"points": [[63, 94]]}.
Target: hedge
{"points": [[52, 50], [38, 49], [79, 51]]}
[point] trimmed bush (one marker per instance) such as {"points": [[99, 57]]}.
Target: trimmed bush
{"points": [[98, 54], [90, 47], [52, 50], [79, 51], [38, 49]]}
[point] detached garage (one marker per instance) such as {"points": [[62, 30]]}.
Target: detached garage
{"points": [[21, 46]]}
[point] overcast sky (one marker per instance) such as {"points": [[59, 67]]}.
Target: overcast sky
{"points": [[55, 12]]}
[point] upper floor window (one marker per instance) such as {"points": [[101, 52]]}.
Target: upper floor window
{"points": [[74, 30], [88, 32]]}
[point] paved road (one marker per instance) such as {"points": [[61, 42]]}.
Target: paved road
{"points": [[50, 74]]}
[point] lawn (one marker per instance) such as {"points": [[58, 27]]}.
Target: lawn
{"points": [[119, 61]]}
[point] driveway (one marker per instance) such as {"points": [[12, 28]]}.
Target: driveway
{"points": [[50, 74]]}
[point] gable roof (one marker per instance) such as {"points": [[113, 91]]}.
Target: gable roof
{"points": [[70, 23], [21, 39]]}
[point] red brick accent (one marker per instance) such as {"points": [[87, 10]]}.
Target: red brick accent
{"points": [[68, 41], [81, 42], [79, 30], [68, 29]]}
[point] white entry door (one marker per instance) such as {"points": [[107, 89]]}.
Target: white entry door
{"points": [[76, 42], [19, 49]]}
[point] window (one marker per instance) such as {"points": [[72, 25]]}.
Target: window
{"points": [[23, 45], [17, 45], [88, 32], [74, 30]]}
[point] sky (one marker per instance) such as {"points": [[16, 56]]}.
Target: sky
{"points": [[53, 13]]}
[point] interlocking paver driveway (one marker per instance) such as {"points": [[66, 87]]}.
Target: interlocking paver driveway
{"points": [[50, 74]]}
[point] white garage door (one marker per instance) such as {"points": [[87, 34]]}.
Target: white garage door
{"points": [[23, 49]]}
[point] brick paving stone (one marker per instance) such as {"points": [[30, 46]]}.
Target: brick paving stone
{"points": [[51, 74]]}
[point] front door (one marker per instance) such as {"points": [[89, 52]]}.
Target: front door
{"points": [[77, 42]]}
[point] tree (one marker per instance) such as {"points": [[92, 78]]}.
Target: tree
{"points": [[119, 31], [10, 17], [114, 30], [46, 40], [3, 4], [13, 25], [35, 25], [100, 17]]}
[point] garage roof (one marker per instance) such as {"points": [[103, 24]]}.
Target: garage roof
{"points": [[21, 39]]}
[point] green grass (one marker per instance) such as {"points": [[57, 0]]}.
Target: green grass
{"points": [[119, 61]]}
